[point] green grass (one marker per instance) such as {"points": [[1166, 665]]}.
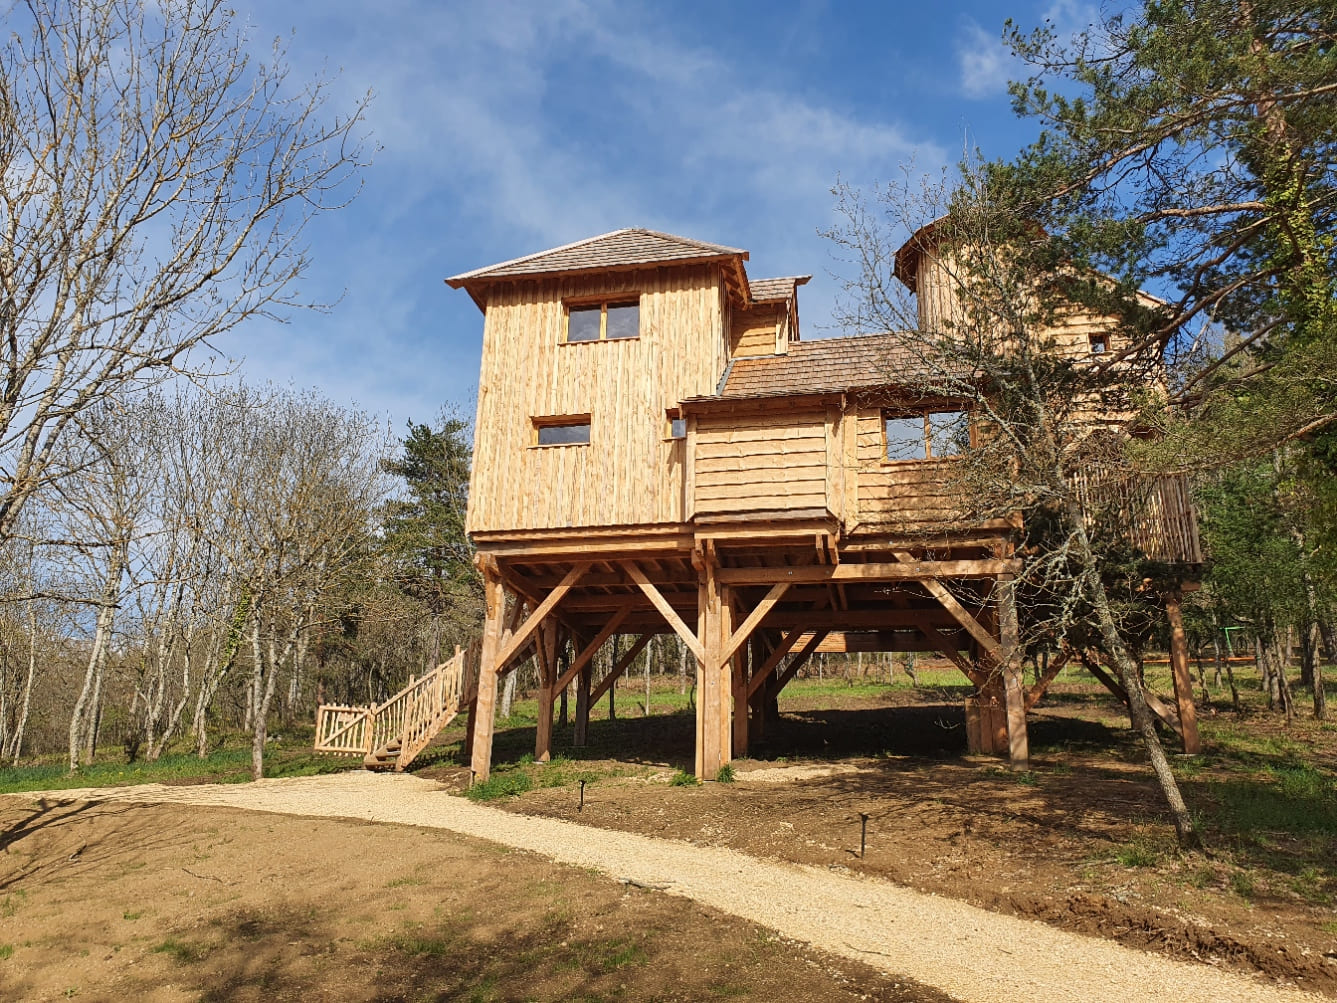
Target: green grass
{"points": [[183, 951], [9, 905], [683, 779], [1295, 799], [6, 952], [418, 947], [513, 779], [1137, 853], [227, 765], [725, 774]]}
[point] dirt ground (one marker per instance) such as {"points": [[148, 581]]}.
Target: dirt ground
{"points": [[1080, 841], [119, 901]]}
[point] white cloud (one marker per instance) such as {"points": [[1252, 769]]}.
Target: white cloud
{"points": [[984, 63]]}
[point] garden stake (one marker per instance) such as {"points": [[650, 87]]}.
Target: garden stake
{"points": [[581, 806], [863, 834]]}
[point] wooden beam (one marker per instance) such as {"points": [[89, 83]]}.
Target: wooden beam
{"points": [[622, 665], [944, 644], [746, 628], [1154, 703], [953, 606], [667, 611], [521, 635], [797, 661], [581, 660], [909, 568], [760, 675], [1051, 672]]}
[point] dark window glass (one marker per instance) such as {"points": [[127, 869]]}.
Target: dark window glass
{"points": [[624, 321], [905, 438], [564, 435], [678, 428], [583, 323], [949, 433], [1100, 344]]}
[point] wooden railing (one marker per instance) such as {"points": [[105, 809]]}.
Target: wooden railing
{"points": [[401, 727], [1155, 514]]}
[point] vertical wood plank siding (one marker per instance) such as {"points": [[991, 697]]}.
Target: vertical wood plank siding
{"points": [[630, 473]]}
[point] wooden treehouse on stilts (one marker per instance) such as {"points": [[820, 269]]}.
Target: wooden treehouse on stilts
{"points": [[657, 451]]}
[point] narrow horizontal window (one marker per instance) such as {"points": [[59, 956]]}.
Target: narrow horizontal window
{"points": [[582, 323], [567, 430], [606, 320]]}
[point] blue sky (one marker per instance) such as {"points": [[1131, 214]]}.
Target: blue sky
{"points": [[508, 127]]}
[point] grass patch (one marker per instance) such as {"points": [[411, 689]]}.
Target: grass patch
{"points": [[182, 950], [6, 952], [1138, 853], [9, 905], [224, 766], [725, 775], [131, 915], [407, 882], [1293, 798], [1242, 884], [507, 783], [683, 779]]}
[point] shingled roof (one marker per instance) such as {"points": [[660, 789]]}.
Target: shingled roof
{"points": [[618, 249], [824, 365], [767, 290]]}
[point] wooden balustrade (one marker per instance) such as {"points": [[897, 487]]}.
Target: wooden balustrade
{"points": [[398, 729], [1154, 514]]}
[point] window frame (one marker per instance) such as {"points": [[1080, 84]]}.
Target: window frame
{"points": [[925, 414], [1100, 338], [539, 422], [672, 416], [603, 303]]}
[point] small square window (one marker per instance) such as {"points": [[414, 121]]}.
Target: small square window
{"points": [[677, 428], [583, 323], [624, 320], [905, 437], [1100, 344]]}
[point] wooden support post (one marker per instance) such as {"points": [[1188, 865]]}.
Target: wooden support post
{"points": [[547, 662], [1014, 689], [1188, 712], [737, 668], [713, 692], [494, 598], [580, 734], [756, 707]]}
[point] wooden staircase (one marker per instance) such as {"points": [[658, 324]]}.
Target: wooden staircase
{"points": [[390, 735]]}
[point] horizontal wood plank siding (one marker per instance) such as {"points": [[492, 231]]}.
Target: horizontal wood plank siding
{"points": [[746, 464], [754, 331], [908, 493], [630, 473]]}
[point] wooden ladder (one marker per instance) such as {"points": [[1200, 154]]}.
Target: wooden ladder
{"points": [[390, 735]]}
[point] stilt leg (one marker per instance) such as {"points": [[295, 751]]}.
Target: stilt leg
{"points": [[484, 714], [1188, 712]]}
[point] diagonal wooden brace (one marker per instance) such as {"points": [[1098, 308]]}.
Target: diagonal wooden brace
{"points": [[666, 611], [513, 645]]}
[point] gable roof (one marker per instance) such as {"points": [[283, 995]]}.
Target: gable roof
{"points": [[769, 290], [824, 365], [617, 249]]}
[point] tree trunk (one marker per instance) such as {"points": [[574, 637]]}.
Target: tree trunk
{"points": [[82, 718]]}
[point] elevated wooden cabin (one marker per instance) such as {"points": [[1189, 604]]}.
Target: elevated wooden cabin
{"points": [[658, 450]]}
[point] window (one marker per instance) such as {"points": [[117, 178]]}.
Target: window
{"points": [[677, 424], [607, 320], [564, 430], [925, 435], [1100, 344]]}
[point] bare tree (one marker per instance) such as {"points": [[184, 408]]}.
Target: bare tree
{"points": [[1035, 419], [157, 182]]}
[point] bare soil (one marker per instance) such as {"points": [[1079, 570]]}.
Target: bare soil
{"points": [[114, 900], [1080, 842]]}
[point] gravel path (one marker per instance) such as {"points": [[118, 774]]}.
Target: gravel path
{"points": [[967, 952]]}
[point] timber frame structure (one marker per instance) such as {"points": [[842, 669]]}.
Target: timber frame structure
{"points": [[657, 450]]}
